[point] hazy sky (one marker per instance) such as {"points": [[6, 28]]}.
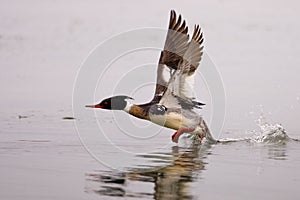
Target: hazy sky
{"points": [[254, 44]]}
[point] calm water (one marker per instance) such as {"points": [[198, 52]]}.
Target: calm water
{"points": [[42, 157]]}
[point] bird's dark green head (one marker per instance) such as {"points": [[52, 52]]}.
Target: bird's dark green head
{"points": [[113, 103]]}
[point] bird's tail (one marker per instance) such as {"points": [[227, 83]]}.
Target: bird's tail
{"points": [[207, 132]]}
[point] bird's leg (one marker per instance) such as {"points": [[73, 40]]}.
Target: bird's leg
{"points": [[200, 138], [177, 134]]}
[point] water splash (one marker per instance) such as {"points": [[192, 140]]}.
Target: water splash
{"points": [[269, 133]]}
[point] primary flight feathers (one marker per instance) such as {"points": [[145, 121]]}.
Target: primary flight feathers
{"points": [[177, 65]]}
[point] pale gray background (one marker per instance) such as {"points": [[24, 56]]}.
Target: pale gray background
{"points": [[254, 44]]}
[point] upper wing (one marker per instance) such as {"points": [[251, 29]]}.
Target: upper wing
{"points": [[179, 92], [175, 47], [188, 66]]}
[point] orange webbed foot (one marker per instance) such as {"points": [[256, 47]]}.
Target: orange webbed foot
{"points": [[175, 137], [180, 131]]}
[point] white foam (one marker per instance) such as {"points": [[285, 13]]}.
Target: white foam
{"points": [[268, 133]]}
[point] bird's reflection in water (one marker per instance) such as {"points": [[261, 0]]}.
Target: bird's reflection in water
{"points": [[277, 151], [170, 181]]}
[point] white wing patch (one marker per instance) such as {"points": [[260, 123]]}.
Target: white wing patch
{"points": [[181, 85], [166, 74], [186, 86]]}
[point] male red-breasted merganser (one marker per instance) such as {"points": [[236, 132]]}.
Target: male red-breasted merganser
{"points": [[173, 103]]}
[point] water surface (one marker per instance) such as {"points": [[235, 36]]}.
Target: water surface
{"points": [[47, 160]]}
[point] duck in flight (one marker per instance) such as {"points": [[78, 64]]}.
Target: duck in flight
{"points": [[173, 105]]}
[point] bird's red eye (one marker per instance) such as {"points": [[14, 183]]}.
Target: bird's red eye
{"points": [[105, 102]]}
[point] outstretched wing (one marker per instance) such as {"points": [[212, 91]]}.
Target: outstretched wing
{"points": [[189, 64], [179, 92], [175, 47]]}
